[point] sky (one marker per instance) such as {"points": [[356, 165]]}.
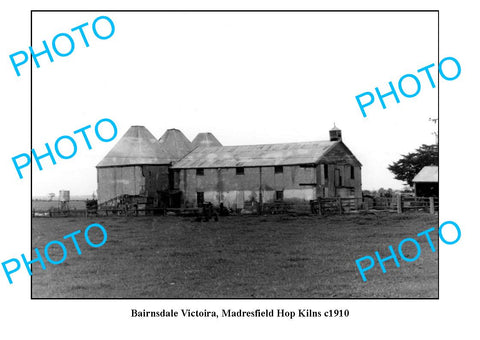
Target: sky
{"points": [[249, 78]]}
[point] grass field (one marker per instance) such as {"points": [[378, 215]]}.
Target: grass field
{"points": [[238, 257]]}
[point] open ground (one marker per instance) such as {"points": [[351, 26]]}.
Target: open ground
{"points": [[276, 256]]}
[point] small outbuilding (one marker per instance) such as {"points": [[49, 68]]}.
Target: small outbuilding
{"points": [[426, 182]]}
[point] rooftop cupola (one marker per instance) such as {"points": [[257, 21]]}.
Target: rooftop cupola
{"points": [[335, 134]]}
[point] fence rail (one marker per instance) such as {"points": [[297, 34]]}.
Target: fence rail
{"points": [[400, 204], [322, 206]]}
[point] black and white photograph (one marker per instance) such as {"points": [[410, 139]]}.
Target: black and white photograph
{"points": [[217, 169], [242, 165]]}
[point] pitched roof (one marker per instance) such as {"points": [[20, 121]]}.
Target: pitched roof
{"points": [[427, 174], [137, 146], [256, 155], [205, 139], [335, 128], [176, 144]]}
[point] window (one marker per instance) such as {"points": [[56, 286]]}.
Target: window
{"points": [[337, 179], [279, 195], [352, 172], [174, 179], [240, 171], [200, 199], [325, 170], [200, 172], [279, 169]]}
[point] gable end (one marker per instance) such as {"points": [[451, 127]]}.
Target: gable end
{"points": [[339, 154]]}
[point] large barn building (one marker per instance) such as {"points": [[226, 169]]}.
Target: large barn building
{"points": [[233, 175], [206, 171], [138, 165]]}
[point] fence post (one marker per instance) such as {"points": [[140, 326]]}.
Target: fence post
{"points": [[339, 200], [399, 204], [432, 205]]}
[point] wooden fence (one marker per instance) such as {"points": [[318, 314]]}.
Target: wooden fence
{"points": [[59, 213], [399, 204], [427, 204], [338, 205], [322, 206]]}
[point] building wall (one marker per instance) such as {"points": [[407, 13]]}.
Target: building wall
{"points": [[426, 189], [344, 185], [145, 180], [339, 182], [223, 185]]}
